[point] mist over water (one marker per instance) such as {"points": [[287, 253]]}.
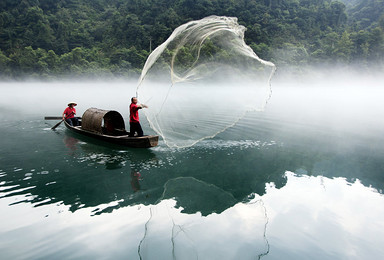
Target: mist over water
{"points": [[336, 102], [51, 98], [347, 104]]}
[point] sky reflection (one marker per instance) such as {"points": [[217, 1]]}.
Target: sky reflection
{"points": [[334, 218]]}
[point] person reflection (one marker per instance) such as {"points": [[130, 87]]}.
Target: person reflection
{"points": [[135, 178], [70, 142]]}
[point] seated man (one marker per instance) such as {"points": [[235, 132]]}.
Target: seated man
{"points": [[69, 114]]}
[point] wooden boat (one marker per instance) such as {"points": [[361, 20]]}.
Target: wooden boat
{"points": [[108, 125]]}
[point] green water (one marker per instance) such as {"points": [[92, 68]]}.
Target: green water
{"points": [[298, 181]]}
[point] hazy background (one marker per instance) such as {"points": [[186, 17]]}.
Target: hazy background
{"points": [[337, 102]]}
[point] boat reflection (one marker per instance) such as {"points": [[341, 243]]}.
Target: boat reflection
{"points": [[111, 178]]}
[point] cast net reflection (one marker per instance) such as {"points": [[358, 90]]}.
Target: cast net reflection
{"points": [[174, 232]]}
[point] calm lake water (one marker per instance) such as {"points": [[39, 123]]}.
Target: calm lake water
{"points": [[302, 180]]}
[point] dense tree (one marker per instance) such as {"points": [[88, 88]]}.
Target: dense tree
{"points": [[97, 37]]}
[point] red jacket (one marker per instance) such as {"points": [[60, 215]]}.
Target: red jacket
{"points": [[68, 112], [134, 113]]}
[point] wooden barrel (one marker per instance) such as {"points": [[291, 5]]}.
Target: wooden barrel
{"points": [[102, 121]]}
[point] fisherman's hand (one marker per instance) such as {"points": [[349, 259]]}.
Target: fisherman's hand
{"points": [[144, 106]]}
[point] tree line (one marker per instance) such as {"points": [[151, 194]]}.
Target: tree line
{"points": [[113, 38]]}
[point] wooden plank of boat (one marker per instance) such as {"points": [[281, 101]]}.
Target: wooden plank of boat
{"points": [[145, 141]]}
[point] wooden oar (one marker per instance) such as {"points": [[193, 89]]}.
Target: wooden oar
{"points": [[54, 127], [55, 118]]}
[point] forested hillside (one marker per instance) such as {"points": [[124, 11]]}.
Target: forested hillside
{"points": [[112, 38]]}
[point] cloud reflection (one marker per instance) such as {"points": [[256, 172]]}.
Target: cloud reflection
{"points": [[332, 217]]}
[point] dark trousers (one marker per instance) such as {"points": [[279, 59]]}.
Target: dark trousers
{"points": [[72, 121], [135, 128]]}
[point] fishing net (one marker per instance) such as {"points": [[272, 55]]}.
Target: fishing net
{"points": [[202, 80]]}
